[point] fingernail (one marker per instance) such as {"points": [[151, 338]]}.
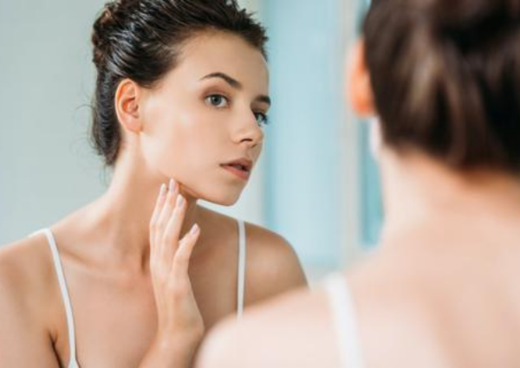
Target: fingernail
{"points": [[163, 189], [172, 185], [180, 200], [194, 229]]}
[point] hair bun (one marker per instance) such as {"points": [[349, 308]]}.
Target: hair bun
{"points": [[473, 18], [101, 33], [111, 17]]}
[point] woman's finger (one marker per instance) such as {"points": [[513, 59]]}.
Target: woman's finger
{"points": [[159, 203], [161, 199], [181, 259], [164, 216], [173, 229]]}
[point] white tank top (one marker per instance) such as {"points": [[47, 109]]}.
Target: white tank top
{"points": [[344, 320], [73, 363]]}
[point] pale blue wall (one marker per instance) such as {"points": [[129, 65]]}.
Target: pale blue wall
{"points": [[306, 63], [303, 163], [370, 184], [47, 167]]}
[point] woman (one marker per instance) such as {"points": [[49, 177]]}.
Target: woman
{"points": [[181, 93], [443, 288]]}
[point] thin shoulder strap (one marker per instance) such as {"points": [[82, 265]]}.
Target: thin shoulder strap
{"points": [[241, 267], [344, 319], [65, 296]]}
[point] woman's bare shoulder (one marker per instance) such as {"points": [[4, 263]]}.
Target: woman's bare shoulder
{"points": [[26, 304], [272, 264], [25, 269], [259, 239], [293, 328]]}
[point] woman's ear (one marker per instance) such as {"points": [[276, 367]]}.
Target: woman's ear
{"points": [[127, 105], [358, 84]]}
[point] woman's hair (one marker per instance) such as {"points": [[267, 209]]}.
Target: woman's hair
{"points": [[446, 78], [142, 40]]}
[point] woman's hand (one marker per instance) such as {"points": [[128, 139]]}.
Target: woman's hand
{"points": [[180, 323]]}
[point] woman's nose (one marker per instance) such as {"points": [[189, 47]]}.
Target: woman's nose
{"points": [[249, 131]]}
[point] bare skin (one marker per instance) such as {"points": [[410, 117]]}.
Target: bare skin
{"points": [[123, 292], [441, 291]]}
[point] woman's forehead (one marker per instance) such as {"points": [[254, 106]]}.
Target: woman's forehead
{"points": [[224, 53]]}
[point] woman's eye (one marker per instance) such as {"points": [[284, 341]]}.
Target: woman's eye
{"points": [[217, 100], [261, 118]]}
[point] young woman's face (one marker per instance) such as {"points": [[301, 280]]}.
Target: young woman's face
{"points": [[203, 124]]}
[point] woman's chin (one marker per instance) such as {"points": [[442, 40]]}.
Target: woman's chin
{"points": [[223, 200]]}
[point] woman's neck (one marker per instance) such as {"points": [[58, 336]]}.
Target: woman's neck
{"points": [[417, 188], [124, 212]]}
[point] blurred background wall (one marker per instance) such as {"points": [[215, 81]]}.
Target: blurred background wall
{"points": [[47, 167], [316, 183]]}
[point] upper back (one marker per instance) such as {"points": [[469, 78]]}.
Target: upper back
{"points": [[442, 297]]}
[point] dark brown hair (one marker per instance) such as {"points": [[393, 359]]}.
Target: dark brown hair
{"points": [[446, 78], [142, 40]]}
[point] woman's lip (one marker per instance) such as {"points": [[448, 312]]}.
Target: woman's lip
{"points": [[244, 175], [245, 162]]}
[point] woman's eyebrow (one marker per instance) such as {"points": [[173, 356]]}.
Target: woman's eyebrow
{"points": [[264, 99], [236, 85], [231, 81]]}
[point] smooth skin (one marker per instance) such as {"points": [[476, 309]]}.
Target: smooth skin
{"points": [[442, 290], [150, 271]]}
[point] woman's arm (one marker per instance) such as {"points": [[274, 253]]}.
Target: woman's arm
{"points": [[171, 353]]}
